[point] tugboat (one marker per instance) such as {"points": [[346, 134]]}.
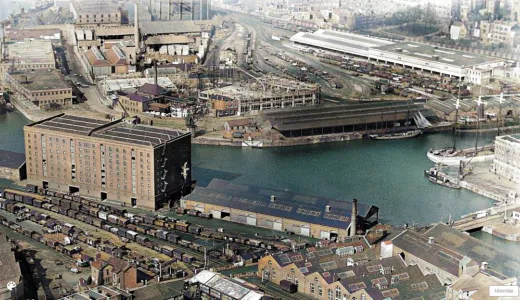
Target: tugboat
{"points": [[440, 178]]}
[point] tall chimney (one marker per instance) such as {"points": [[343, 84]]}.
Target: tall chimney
{"points": [[353, 222], [155, 71]]}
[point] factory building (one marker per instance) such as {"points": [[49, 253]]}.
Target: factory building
{"points": [[281, 210], [21, 56], [473, 68], [352, 118], [119, 160], [507, 156], [96, 12], [264, 94], [44, 87], [177, 10]]}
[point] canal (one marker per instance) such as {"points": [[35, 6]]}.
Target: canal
{"points": [[388, 174]]}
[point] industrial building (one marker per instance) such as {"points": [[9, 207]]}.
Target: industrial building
{"points": [[507, 156], [363, 118], [265, 93], [119, 160], [12, 166], [349, 270], [473, 68], [211, 285], [174, 10], [114, 85], [112, 61], [96, 12], [449, 254], [22, 56], [44, 87], [281, 210]]}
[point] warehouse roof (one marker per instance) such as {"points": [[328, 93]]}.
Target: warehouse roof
{"points": [[342, 115], [169, 27], [448, 106], [339, 41], [11, 160], [168, 39], [24, 52], [434, 53], [40, 79], [116, 130], [289, 205]]}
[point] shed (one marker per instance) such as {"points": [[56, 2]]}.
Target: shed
{"points": [[12, 166]]}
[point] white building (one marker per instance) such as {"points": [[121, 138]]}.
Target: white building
{"points": [[507, 156]]}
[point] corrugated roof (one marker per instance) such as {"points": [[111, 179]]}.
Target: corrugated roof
{"points": [[169, 27]]}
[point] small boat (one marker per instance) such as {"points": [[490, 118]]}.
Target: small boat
{"points": [[396, 135], [446, 183], [439, 178]]}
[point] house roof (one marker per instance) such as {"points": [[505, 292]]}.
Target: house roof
{"points": [[11, 160], [119, 265], [152, 89], [136, 97], [304, 208]]}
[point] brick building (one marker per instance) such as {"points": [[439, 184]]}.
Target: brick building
{"points": [[133, 164], [116, 272], [43, 87], [279, 210], [12, 165]]}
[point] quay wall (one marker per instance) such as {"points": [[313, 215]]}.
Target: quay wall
{"points": [[282, 143]]}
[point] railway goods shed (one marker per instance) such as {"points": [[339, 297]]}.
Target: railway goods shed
{"points": [[280, 210]]}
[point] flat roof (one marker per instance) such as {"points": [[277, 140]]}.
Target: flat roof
{"points": [[95, 7], [434, 53], [304, 208], [339, 41], [513, 138], [40, 79], [30, 52]]}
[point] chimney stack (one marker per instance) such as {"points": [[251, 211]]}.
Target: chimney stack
{"points": [[353, 222], [155, 71]]}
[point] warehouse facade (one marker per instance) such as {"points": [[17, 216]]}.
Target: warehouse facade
{"points": [[279, 210], [132, 164], [507, 156]]}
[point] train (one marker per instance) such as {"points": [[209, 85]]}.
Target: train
{"points": [[126, 225]]}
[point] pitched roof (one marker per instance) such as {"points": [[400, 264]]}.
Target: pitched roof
{"points": [[304, 208], [96, 58], [136, 97], [118, 264], [115, 56], [152, 89], [11, 160]]}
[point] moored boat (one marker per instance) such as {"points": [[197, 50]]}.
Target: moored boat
{"points": [[440, 178], [396, 135]]}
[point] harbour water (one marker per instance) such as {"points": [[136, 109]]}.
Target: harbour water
{"points": [[388, 174]]}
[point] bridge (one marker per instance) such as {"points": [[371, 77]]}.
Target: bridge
{"points": [[471, 223]]}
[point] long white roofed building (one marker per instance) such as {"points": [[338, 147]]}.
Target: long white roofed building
{"points": [[473, 68]]}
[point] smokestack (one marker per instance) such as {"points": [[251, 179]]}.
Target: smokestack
{"points": [[155, 71], [353, 222]]}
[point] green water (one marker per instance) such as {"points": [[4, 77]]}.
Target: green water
{"points": [[387, 174]]}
